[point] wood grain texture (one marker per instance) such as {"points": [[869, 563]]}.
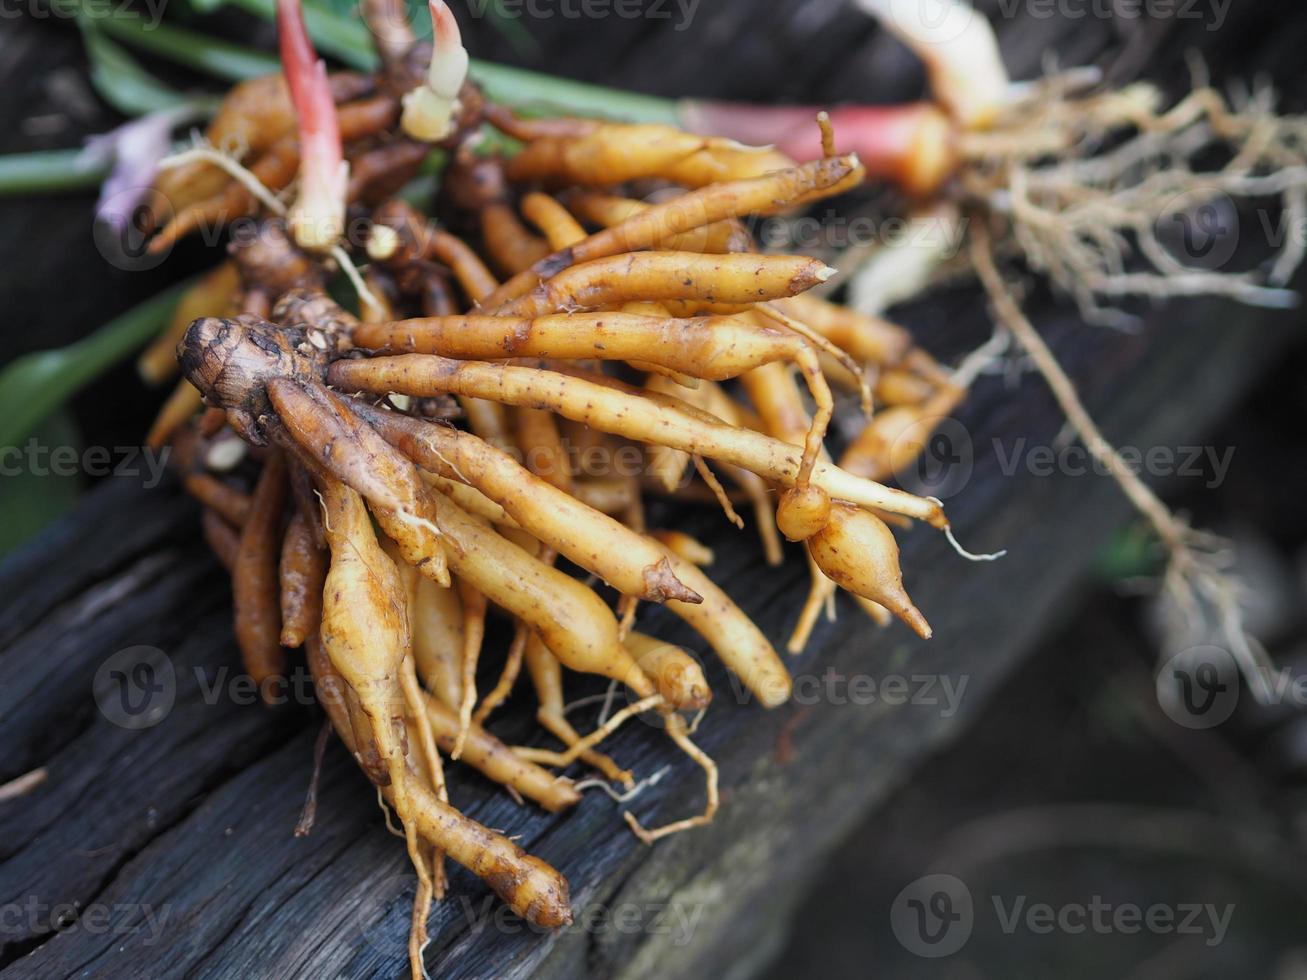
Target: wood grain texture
{"points": [[181, 832]]}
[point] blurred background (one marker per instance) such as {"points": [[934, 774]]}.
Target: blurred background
{"points": [[1074, 785], [1073, 797]]}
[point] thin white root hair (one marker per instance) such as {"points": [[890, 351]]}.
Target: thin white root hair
{"points": [[583, 702], [677, 733], [1196, 570], [204, 153], [385, 810], [968, 555], [982, 359], [609, 695], [209, 154], [351, 271], [630, 794], [23, 784], [1085, 183], [422, 949]]}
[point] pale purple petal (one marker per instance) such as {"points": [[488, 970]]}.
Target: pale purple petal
{"points": [[135, 148]]}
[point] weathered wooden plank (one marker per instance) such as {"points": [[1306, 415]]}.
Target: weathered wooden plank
{"points": [[235, 893]]}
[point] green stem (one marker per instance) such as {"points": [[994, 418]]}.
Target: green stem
{"points": [[344, 38], [119, 79], [351, 42], [35, 384], [50, 170], [221, 59], [521, 88]]}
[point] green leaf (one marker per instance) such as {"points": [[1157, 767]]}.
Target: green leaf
{"points": [[36, 384], [191, 49], [348, 39], [419, 191], [549, 94], [508, 24], [51, 170], [118, 78], [206, 6], [1133, 552], [32, 493]]}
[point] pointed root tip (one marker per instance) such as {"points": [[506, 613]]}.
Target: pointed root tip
{"points": [[661, 584], [825, 273], [913, 617], [902, 607]]}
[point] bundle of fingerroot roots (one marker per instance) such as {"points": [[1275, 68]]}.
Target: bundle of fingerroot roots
{"points": [[380, 482]]}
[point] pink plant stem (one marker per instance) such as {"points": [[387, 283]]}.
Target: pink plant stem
{"points": [[429, 110], [446, 36], [321, 153], [910, 145]]}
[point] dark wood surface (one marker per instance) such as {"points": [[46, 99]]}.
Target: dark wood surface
{"points": [[181, 832]]}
